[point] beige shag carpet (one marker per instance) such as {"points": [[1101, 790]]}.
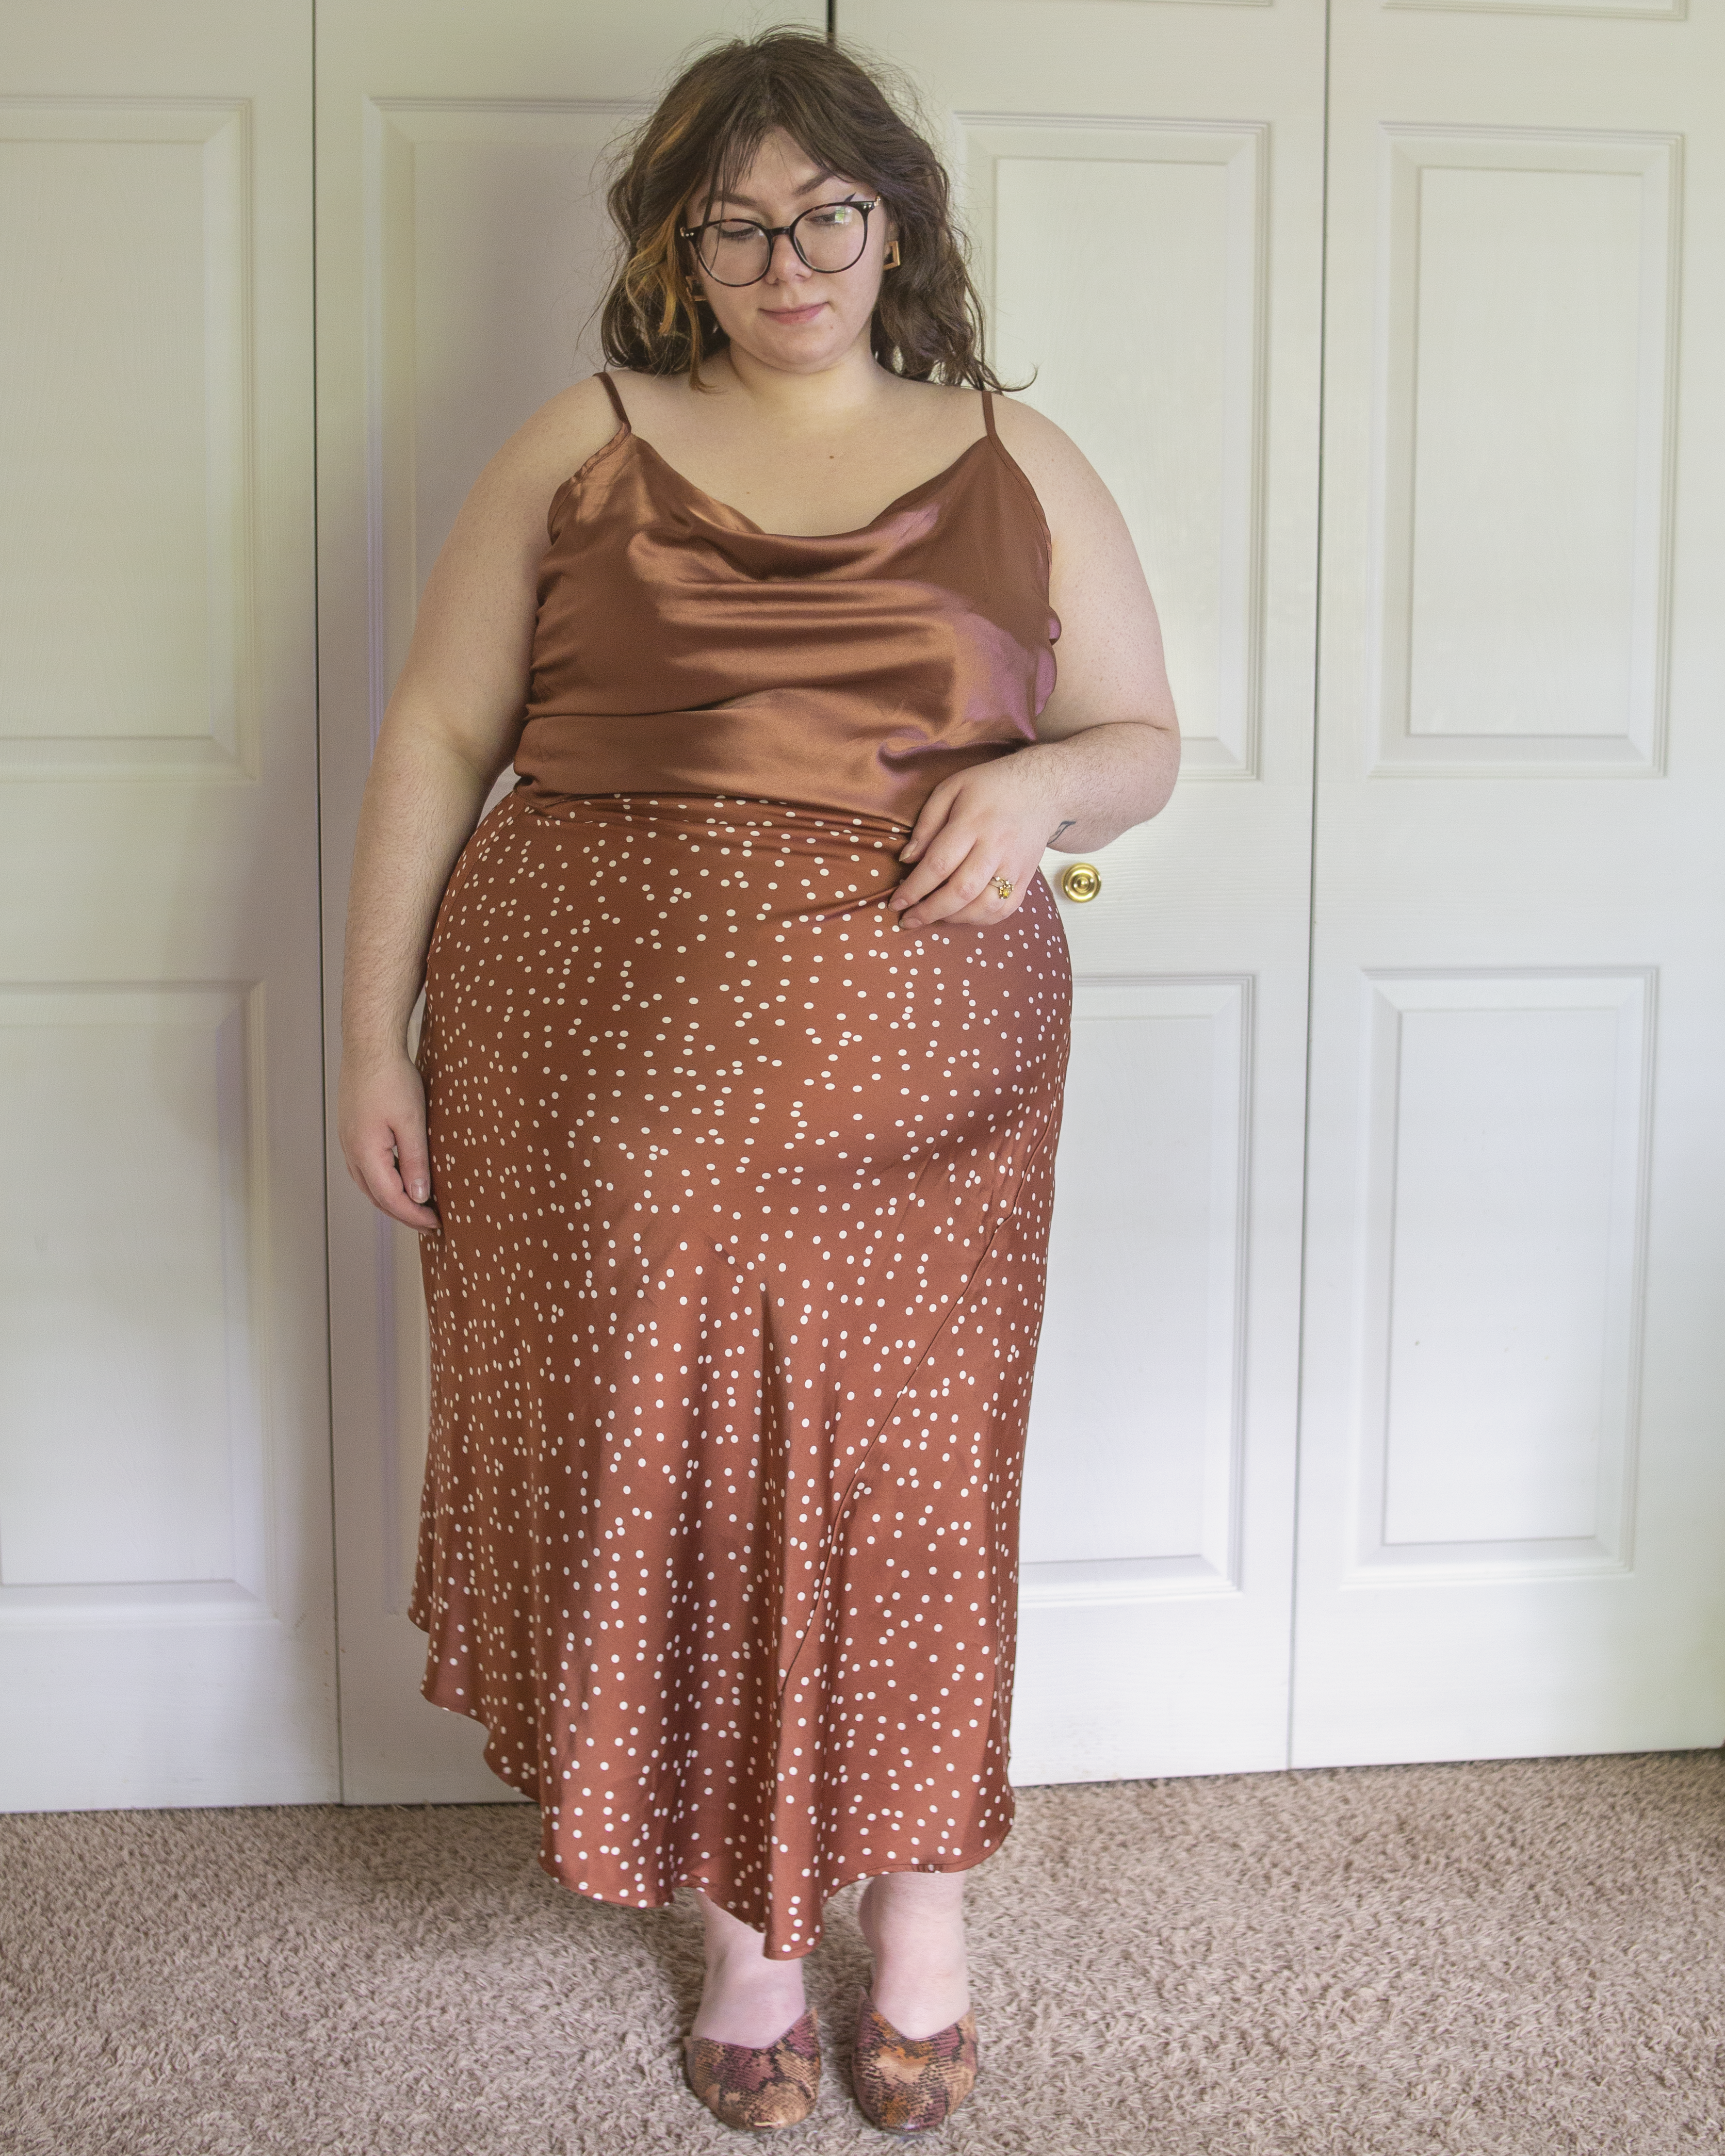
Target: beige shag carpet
{"points": [[1525, 1956]]}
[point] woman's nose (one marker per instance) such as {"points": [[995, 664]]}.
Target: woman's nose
{"points": [[784, 257]]}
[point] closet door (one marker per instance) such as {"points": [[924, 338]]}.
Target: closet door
{"points": [[166, 1613], [1513, 1486], [462, 244], [1144, 187]]}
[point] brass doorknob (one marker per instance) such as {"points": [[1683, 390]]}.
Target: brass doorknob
{"points": [[1080, 882]]}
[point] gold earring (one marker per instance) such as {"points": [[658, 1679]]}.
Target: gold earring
{"points": [[891, 258]]}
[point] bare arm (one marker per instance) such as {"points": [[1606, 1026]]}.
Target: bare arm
{"points": [[1108, 744], [450, 728]]}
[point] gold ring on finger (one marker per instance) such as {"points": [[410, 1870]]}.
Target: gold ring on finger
{"points": [[1002, 886]]}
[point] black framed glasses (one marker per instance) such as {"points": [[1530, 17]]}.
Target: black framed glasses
{"points": [[734, 250]]}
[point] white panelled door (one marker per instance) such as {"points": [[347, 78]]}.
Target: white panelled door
{"points": [[1144, 185], [462, 246], [1513, 1479], [1511, 1488], [165, 1598]]}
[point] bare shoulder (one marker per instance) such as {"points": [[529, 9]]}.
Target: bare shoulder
{"points": [[555, 442], [492, 553], [651, 398], [1067, 483]]}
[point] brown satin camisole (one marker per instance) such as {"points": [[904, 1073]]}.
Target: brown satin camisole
{"points": [[680, 649]]}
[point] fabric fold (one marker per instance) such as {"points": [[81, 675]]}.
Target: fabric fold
{"points": [[734, 1313]]}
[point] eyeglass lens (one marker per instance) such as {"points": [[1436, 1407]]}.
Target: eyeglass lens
{"points": [[829, 237]]}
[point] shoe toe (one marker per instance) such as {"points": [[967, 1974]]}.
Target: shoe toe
{"points": [[759, 2088], [905, 2085]]}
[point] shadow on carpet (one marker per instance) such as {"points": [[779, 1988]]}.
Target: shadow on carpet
{"points": [[1525, 1958]]}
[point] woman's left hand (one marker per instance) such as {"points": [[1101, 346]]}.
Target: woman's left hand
{"points": [[990, 821]]}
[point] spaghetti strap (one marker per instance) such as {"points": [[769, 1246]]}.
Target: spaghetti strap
{"points": [[617, 402], [988, 414]]}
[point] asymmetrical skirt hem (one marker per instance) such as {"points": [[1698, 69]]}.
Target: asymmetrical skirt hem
{"points": [[744, 1195], [618, 1894]]}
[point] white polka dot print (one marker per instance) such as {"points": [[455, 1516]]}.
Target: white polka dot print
{"points": [[745, 1194]]}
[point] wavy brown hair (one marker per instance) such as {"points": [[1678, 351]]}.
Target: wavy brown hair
{"points": [[706, 128]]}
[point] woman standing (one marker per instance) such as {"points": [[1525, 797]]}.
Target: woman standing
{"points": [[732, 1130]]}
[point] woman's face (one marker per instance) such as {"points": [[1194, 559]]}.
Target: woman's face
{"points": [[796, 318]]}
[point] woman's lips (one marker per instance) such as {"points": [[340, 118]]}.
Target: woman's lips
{"points": [[794, 314]]}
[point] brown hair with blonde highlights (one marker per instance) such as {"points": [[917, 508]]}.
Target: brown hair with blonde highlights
{"points": [[707, 127]]}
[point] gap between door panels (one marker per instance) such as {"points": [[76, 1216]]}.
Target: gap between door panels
{"points": [[1317, 645]]}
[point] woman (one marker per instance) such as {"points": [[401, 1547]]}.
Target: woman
{"points": [[731, 1130]]}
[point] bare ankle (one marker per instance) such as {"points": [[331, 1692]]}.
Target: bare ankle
{"points": [[746, 1997], [914, 1923]]}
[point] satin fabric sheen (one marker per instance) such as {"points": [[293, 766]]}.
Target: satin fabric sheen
{"points": [[744, 1193], [680, 649]]}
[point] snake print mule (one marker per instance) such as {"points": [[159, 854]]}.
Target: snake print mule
{"points": [[775, 2086]]}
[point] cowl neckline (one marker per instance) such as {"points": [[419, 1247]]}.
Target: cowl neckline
{"points": [[679, 648], [626, 440]]}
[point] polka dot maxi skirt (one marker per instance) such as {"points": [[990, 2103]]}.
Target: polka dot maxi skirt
{"points": [[744, 1194]]}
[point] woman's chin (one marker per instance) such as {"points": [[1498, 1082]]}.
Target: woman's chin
{"points": [[804, 347]]}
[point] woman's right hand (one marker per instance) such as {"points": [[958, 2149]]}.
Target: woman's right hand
{"points": [[380, 1121], [452, 726]]}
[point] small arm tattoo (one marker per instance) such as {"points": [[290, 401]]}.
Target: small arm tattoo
{"points": [[1058, 828]]}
